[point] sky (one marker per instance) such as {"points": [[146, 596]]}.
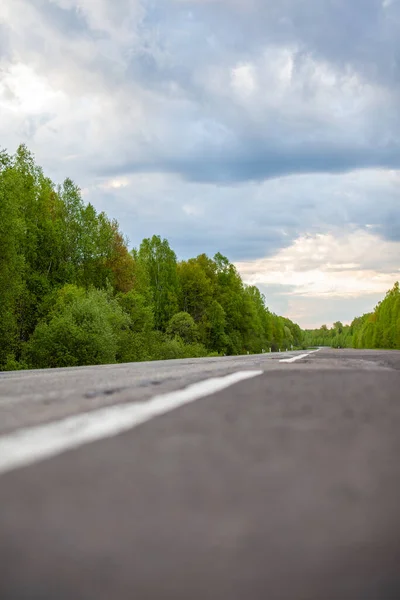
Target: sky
{"points": [[268, 131]]}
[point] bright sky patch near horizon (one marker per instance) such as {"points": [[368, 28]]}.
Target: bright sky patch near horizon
{"points": [[268, 131]]}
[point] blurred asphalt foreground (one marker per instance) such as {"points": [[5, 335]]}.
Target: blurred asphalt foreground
{"points": [[284, 484]]}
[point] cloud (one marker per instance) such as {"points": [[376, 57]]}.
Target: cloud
{"points": [[251, 221], [200, 100], [327, 271], [361, 33], [330, 265]]}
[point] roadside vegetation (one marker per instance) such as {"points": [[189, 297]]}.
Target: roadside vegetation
{"points": [[378, 329], [71, 293]]}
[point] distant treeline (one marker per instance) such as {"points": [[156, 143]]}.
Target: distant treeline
{"points": [[379, 329], [71, 293]]}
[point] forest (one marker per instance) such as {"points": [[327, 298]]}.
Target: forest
{"points": [[72, 293], [378, 329]]}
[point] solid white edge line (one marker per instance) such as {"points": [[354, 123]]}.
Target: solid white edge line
{"points": [[294, 358], [27, 446]]}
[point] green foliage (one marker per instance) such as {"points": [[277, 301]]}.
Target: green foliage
{"points": [[213, 326], [380, 329], [14, 365], [195, 288], [11, 255], [183, 325], [136, 347], [83, 329], [176, 348], [159, 261], [139, 310]]}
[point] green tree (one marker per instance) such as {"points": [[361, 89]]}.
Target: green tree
{"points": [[212, 328], [183, 326], [159, 260], [195, 289], [11, 257]]}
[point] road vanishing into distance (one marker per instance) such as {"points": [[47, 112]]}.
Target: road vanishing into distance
{"points": [[265, 477]]}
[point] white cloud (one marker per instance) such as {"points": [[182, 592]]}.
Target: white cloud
{"points": [[115, 184], [22, 90], [327, 265], [192, 210], [243, 79]]}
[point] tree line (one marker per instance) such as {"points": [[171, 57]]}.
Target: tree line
{"points": [[378, 329], [71, 292]]}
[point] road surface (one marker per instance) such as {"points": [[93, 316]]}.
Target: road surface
{"points": [[241, 478]]}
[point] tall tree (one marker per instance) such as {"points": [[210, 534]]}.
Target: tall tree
{"points": [[11, 257], [160, 263]]}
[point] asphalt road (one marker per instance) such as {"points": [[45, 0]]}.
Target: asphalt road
{"points": [[283, 485]]}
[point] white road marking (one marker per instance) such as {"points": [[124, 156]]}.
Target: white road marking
{"points": [[27, 446], [294, 358]]}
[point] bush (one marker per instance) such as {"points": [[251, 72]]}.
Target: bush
{"points": [[139, 310], [195, 350], [176, 348], [12, 364], [138, 347], [183, 325], [83, 329]]}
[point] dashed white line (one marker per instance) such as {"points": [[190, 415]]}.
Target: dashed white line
{"points": [[27, 446], [294, 358]]}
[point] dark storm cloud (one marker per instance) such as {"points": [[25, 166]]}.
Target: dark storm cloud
{"points": [[215, 136], [253, 161], [363, 33], [232, 142]]}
